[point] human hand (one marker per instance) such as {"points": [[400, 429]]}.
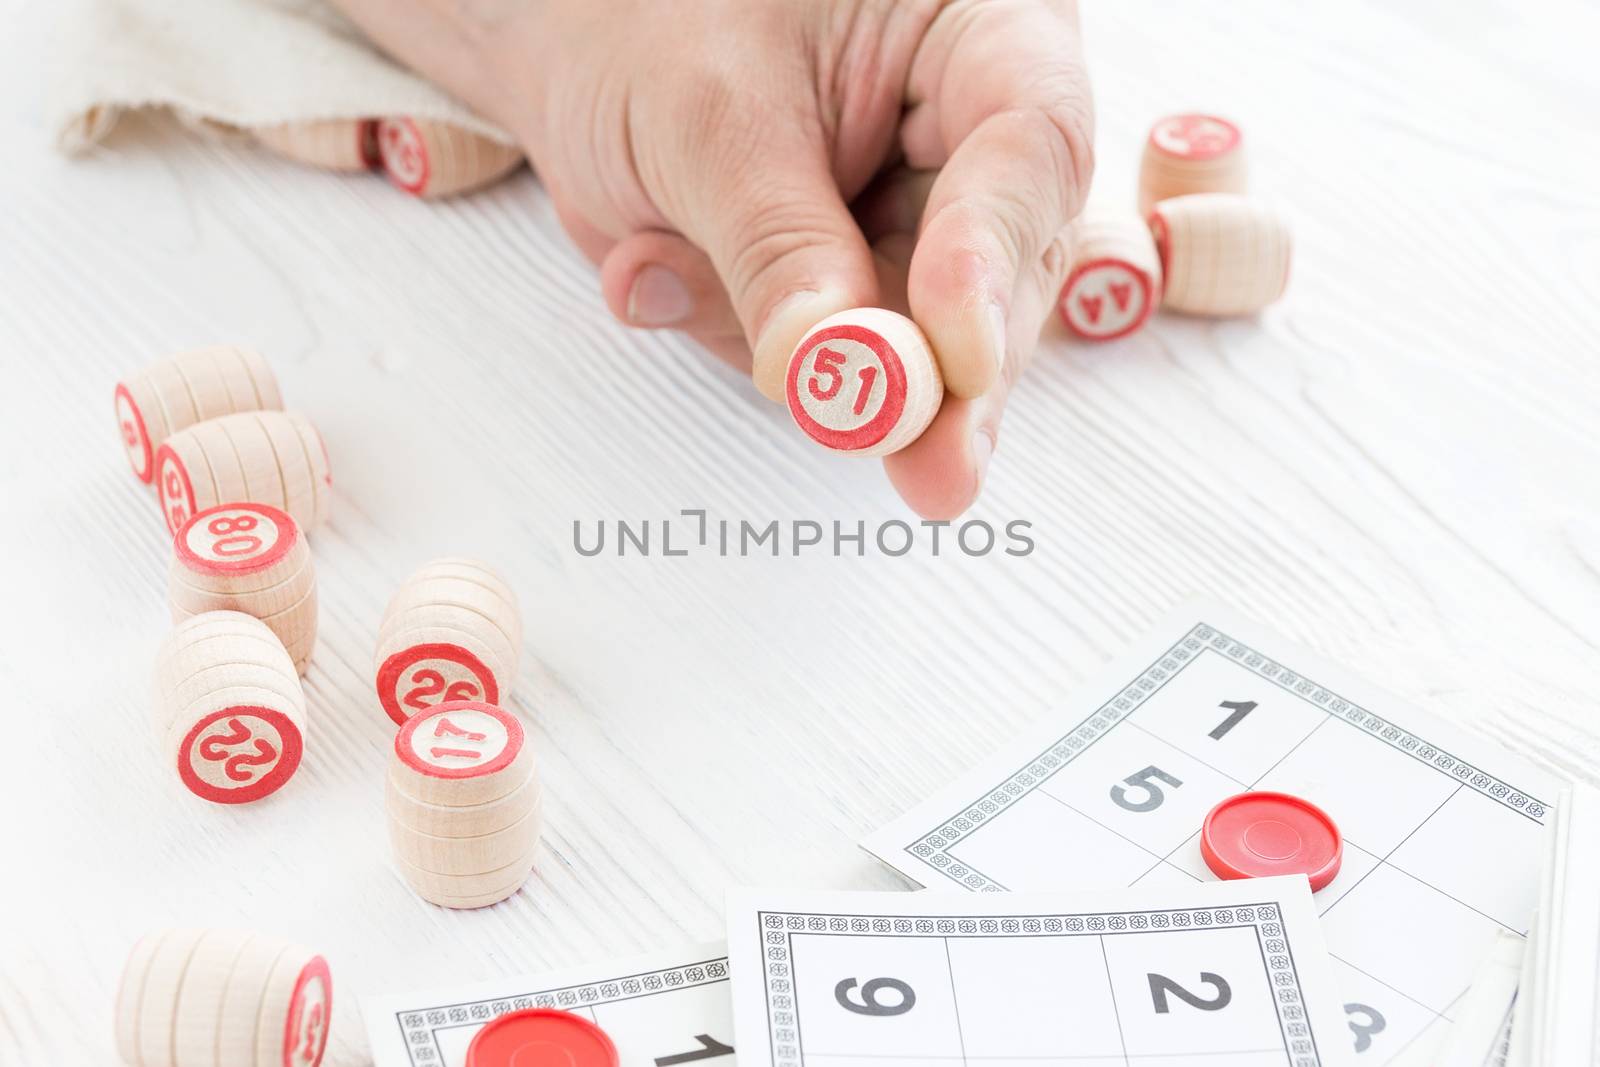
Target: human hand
{"points": [[727, 162]]}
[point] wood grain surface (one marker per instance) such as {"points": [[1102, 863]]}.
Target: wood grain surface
{"points": [[1398, 465]]}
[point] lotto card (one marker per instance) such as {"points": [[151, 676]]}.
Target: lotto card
{"points": [[1441, 830], [1178, 976], [1481, 1036], [662, 1010]]}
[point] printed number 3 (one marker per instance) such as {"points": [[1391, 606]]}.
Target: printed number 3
{"points": [[1153, 794], [869, 1004], [1374, 1024]]}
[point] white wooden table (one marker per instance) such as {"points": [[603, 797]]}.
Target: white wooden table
{"points": [[1398, 465]]}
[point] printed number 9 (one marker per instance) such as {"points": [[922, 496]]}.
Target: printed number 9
{"points": [[1374, 1025], [1153, 794], [869, 1004]]}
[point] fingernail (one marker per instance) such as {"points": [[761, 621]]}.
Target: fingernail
{"points": [[658, 298], [982, 452], [786, 325], [997, 335]]}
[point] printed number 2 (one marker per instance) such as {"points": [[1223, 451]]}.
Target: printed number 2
{"points": [[1240, 709], [710, 1048], [1153, 794], [1161, 985], [1374, 1024], [869, 1004]]}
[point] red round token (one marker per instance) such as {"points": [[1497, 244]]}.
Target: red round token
{"points": [[541, 1037], [1256, 835]]}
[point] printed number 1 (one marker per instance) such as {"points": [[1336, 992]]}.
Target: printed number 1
{"points": [[710, 1049], [868, 376], [1240, 709]]}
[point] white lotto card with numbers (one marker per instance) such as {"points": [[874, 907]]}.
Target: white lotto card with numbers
{"points": [[1177, 976], [661, 1010], [1441, 830]]}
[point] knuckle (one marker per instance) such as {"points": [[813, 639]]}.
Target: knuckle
{"points": [[1071, 118], [1055, 261], [768, 238]]}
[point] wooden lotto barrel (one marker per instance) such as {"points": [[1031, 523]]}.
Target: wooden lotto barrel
{"points": [[1115, 282], [251, 558], [464, 804], [864, 381], [263, 457], [174, 393], [333, 144], [433, 159], [190, 997], [1189, 154], [452, 631], [228, 707], [1221, 254]]}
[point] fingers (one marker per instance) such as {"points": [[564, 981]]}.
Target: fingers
{"points": [[656, 279], [893, 203], [1007, 90], [941, 474], [787, 251]]}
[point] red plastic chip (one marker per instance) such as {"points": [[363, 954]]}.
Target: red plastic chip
{"points": [[541, 1037], [1256, 835]]}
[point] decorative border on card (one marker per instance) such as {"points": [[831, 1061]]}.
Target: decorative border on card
{"points": [[418, 1026], [778, 927], [932, 847]]}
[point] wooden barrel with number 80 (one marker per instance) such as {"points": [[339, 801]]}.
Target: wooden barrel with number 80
{"points": [[250, 558]]}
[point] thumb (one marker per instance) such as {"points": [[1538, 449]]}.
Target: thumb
{"points": [[788, 252]]}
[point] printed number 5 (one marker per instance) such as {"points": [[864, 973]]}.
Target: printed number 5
{"points": [[827, 363], [1153, 794], [1374, 1024], [869, 1004], [1161, 985]]}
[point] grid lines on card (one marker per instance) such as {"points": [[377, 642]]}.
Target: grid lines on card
{"points": [[932, 847], [421, 1026], [778, 929]]}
